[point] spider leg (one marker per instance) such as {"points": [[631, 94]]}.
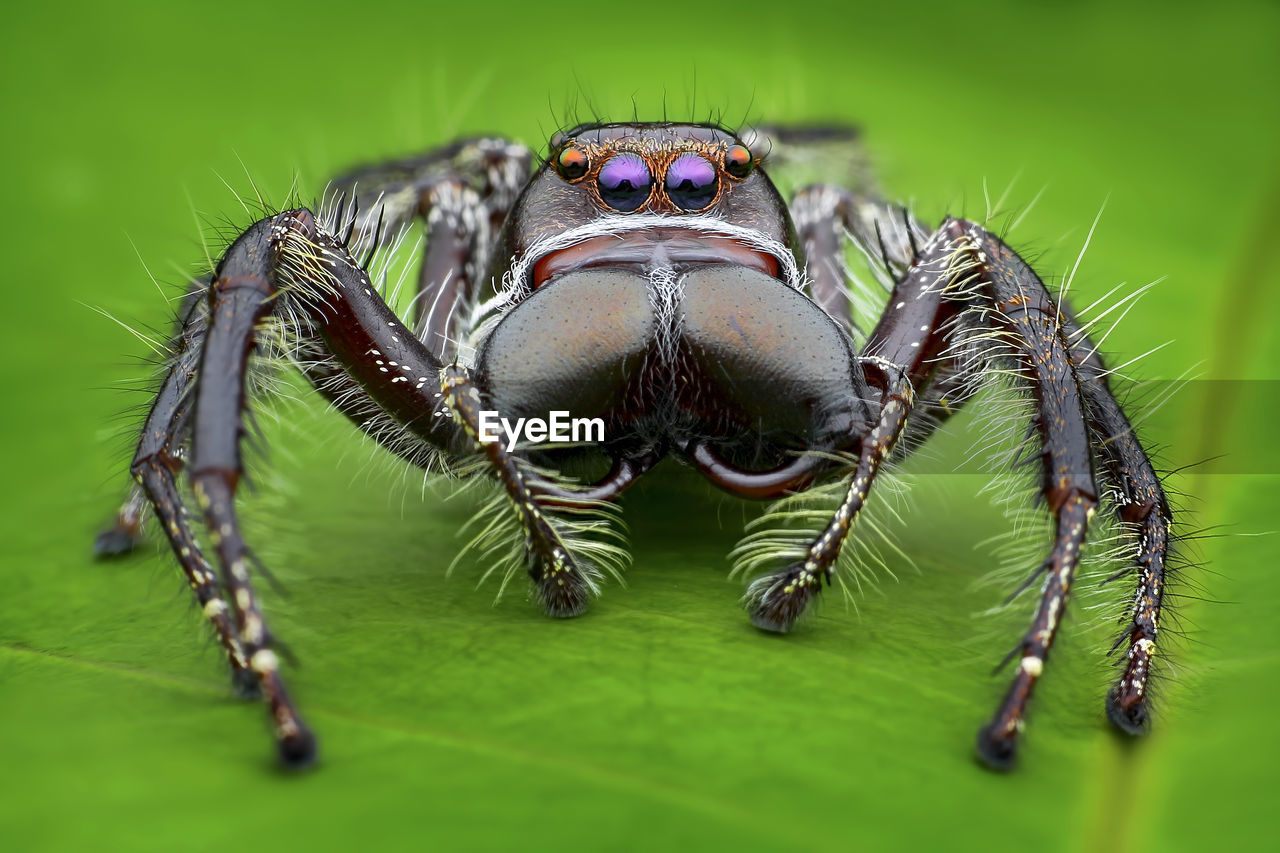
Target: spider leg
{"points": [[815, 210], [1139, 500], [896, 359], [825, 216], [456, 230], [1018, 304], [240, 297], [1141, 504], [464, 192], [126, 533], [562, 583], [158, 458], [439, 405], [280, 260], [962, 265]]}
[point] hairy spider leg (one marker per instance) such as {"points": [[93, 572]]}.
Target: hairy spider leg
{"points": [[463, 192], [563, 584], [185, 338], [963, 265], [404, 378], [373, 204], [211, 370], [896, 359], [1140, 503], [157, 460], [288, 259], [1018, 303], [815, 212], [1124, 469], [240, 296], [826, 215], [282, 256]]}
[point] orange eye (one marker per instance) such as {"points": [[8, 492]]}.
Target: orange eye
{"points": [[572, 163], [737, 161]]}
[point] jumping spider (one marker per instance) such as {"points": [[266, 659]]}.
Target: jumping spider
{"points": [[652, 276]]}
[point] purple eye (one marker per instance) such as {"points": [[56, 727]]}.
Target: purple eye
{"points": [[625, 181], [692, 182]]}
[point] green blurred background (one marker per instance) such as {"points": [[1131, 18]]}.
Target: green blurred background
{"points": [[661, 717]]}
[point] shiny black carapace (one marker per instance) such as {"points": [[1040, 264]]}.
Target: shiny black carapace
{"points": [[649, 277]]}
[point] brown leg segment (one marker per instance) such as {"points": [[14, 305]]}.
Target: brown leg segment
{"points": [[287, 259], [241, 295], [1018, 302], [156, 463], [1124, 468], [126, 534], [896, 359], [1140, 504], [563, 585], [817, 213], [463, 192]]}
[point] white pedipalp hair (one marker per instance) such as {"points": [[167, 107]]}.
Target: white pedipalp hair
{"points": [[784, 533]]}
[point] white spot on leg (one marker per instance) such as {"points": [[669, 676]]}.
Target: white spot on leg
{"points": [[253, 629], [264, 661]]}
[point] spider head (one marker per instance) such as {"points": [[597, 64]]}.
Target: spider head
{"points": [[648, 194], [654, 168], [644, 252]]}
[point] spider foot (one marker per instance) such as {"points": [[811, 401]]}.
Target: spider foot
{"points": [[776, 601], [297, 748], [561, 587], [117, 541], [1127, 710], [295, 744], [998, 746]]}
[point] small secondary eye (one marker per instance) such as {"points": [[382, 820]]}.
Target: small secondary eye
{"points": [[692, 182], [737, 161], [572, 163], [625, 181]]}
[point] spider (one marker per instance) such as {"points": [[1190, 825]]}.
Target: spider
{"points": [[651, 276]]}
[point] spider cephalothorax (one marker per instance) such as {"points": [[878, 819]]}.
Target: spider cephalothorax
{"points": [[651, 279]]}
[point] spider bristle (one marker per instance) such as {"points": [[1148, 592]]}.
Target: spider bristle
{"points": [[563, 596], [782, 536], [588, 532]]}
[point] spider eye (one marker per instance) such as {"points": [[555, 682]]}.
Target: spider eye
{"points": [[692, 182], [572, 163], [625, 181], [737, 161]]}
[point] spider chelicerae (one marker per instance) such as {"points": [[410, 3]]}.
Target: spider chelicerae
{"points": [[648, 276]]}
